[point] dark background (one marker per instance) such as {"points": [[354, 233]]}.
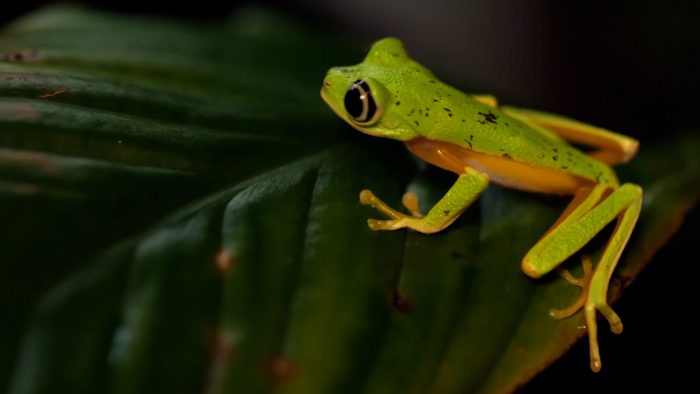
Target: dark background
{"points": [[630, 66]]}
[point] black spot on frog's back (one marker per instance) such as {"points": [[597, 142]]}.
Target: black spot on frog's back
{"points": [[488, 117]]}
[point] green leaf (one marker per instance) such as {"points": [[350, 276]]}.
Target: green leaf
{"points": [[182, 216]]}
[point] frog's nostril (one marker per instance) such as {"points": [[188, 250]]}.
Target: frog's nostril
{"points": [[326, 83]]}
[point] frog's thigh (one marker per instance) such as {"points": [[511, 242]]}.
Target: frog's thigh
{"points": [[613, 148], [584, 221], [460, 196]]}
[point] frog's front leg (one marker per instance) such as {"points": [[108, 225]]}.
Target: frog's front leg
{"points": [[460, 196]]}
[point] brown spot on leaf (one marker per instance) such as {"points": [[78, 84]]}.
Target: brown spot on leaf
{"points": [[280, 369], [224, 261], [401, 303], [16, 78], [54, 92], [22, 55]]}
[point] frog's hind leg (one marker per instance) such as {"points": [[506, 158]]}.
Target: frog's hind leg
{"points": [[611, 148], [593, 210], [598, 294]]}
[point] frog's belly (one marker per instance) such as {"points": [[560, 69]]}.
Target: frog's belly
{"points": [[501, 170]]}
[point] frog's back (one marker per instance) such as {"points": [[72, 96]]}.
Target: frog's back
{"points": [[471, 124]]}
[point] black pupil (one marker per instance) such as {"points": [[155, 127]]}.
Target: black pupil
{"points": [[353, 102], [359, 102]]}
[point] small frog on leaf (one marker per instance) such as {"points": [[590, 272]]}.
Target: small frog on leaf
{"points": [[390, 95]]}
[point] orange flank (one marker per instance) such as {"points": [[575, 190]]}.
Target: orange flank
{"points": [[501, 170]]}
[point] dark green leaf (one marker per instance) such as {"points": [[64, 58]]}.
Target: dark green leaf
{"points": [[181, 216]]}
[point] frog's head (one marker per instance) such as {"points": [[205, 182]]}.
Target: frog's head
{"points": [[363, 95]]}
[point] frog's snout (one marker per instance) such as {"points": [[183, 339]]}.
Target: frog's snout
{"points": [[325, 90]]}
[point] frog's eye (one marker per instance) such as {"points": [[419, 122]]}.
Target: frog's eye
{"points": [[360, 104]]}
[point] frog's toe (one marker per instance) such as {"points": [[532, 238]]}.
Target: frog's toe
{"points": [[393, 224], [612, 318], [570, 310], [591, 308], [410, 201], [583, 282], [368, 198]]}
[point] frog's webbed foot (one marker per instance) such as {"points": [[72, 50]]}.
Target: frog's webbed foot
{"points": [[590, 303], [584, 299], [583, 282], [397, 219]]}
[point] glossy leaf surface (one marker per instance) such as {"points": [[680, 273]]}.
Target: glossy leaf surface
{"points": [[181, 215]]}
